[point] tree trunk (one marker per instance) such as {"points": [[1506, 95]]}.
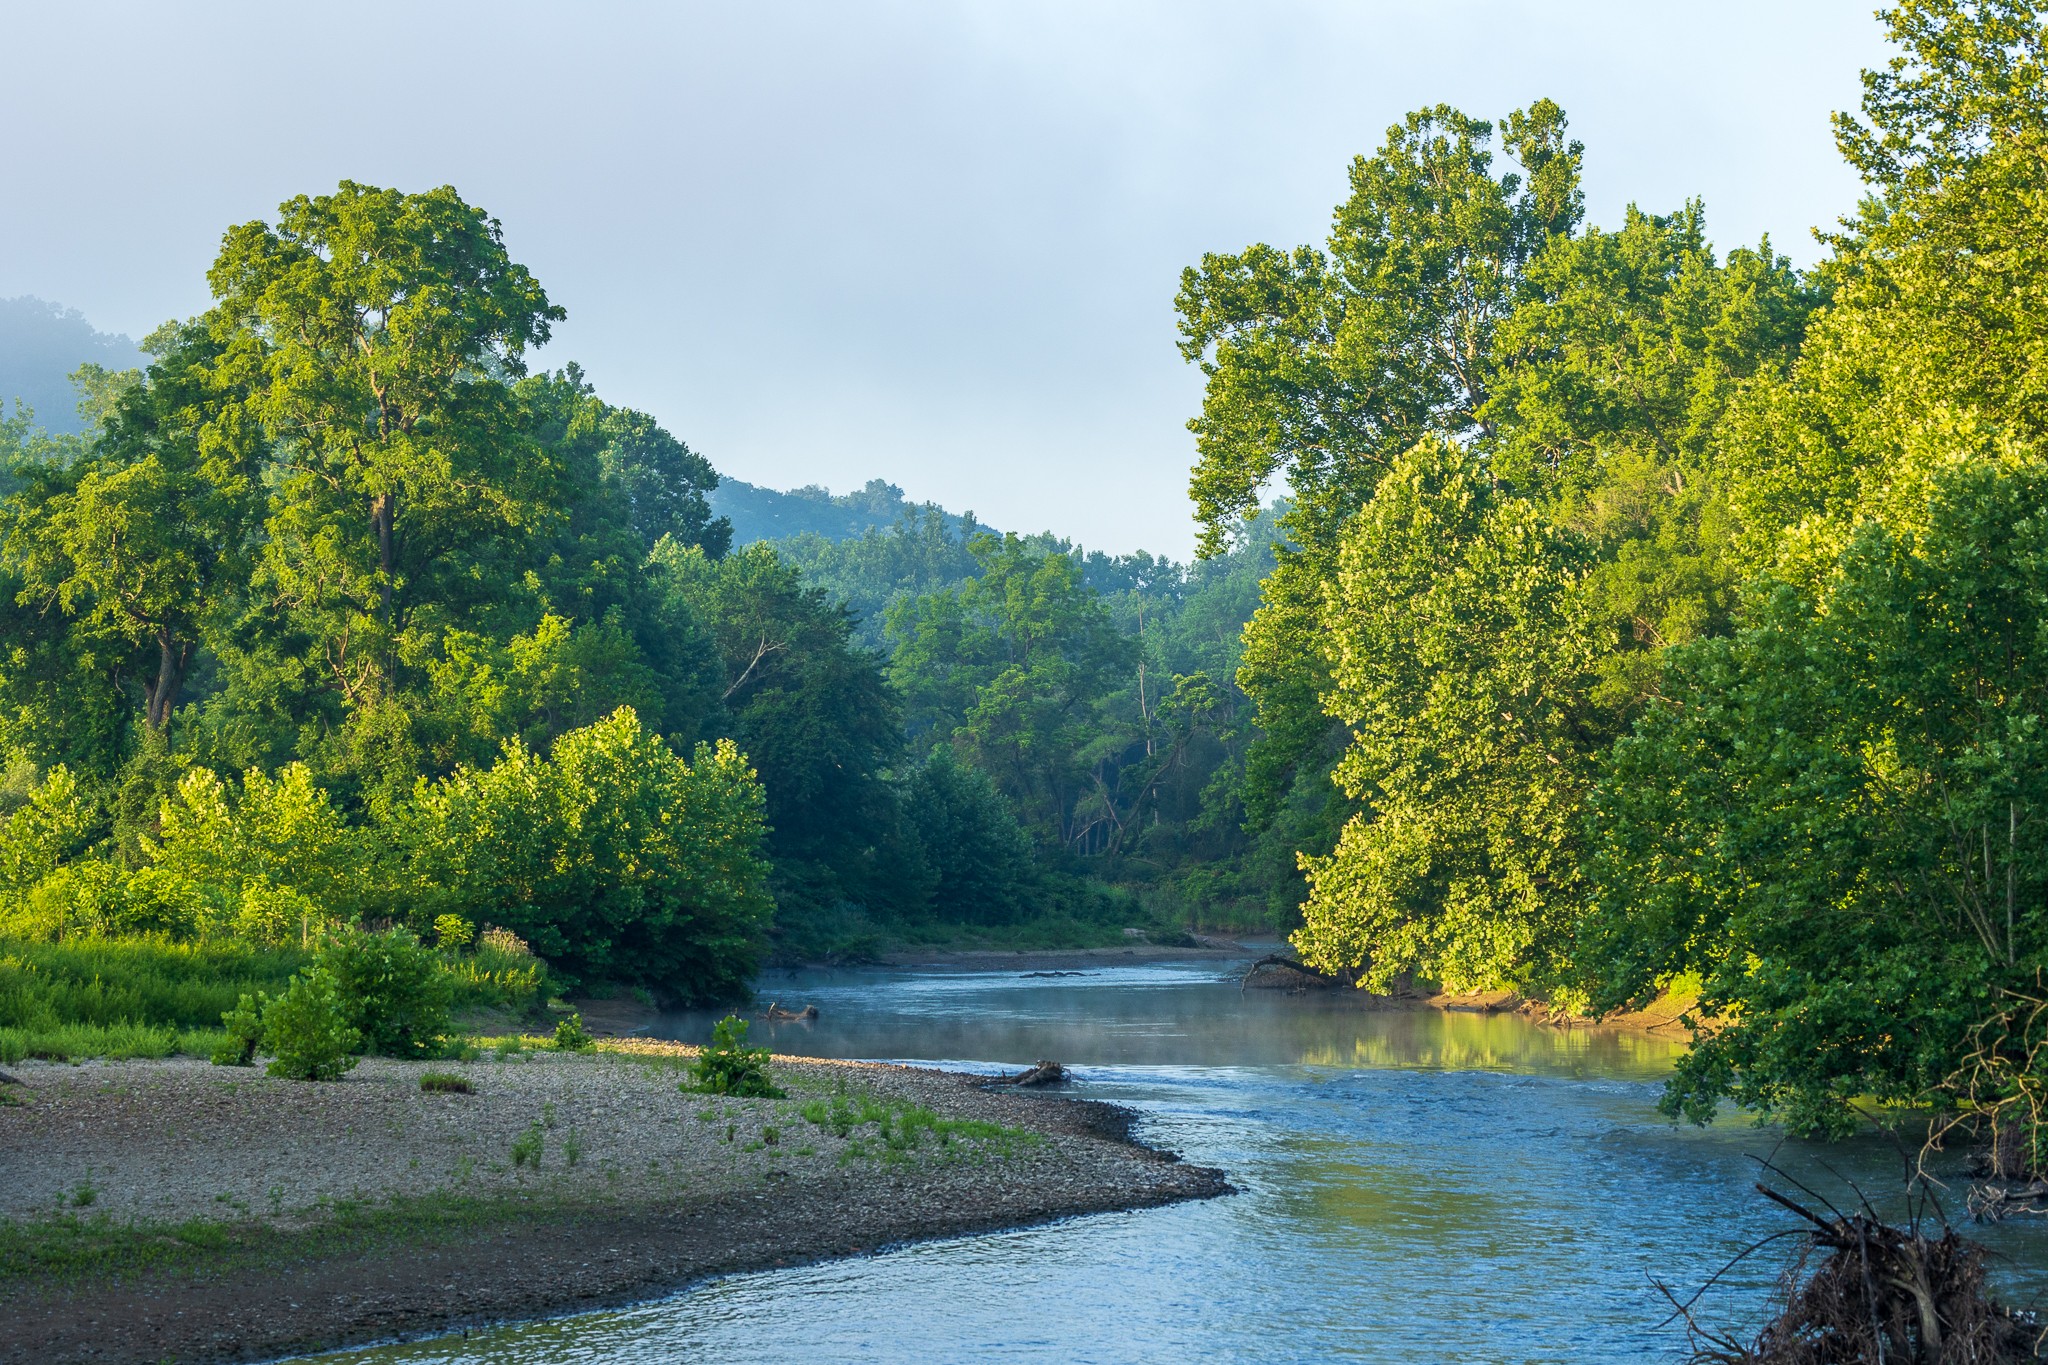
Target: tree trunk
{"points": [[161, 699], [383, 513]]}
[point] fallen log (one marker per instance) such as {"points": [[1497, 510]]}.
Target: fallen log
{"points": [[1045, 1073], [1300, 976], [776, 1012]]}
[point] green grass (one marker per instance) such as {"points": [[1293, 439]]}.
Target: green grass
{"points": [[901, 1129], [150, 997], [74, 1246], [75, 1042], [128, 982]]}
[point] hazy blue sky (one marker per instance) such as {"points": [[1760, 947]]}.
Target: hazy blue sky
{"points": [[932, 242]]}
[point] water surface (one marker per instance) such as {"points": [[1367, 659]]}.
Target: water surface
{"points": [[1415, 1186]]}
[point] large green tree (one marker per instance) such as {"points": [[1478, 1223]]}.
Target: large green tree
{"points": [[1323, 366], [373, 332]]}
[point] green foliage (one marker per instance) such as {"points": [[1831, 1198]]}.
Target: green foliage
{"points": [[394, 992], [729, 1067], [1835, 822], [244, 1027], [529, 1146], [445, 1083], [502, 973], [570, 1035], [612, 856], [1461, 658], [1009, 669], [140, 982], [306, 1029], [902, 1129], [980, 858], [811, 711]]}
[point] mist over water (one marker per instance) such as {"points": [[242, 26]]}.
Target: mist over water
{"points": [[1413, 1186]]}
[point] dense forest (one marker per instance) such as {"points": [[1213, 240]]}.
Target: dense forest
{"points": [[1581, 611]]}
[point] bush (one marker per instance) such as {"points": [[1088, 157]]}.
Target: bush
{"points": [[730, 1067], [309, 1036], [502, 973], [244, 1025], [570, 1035], [453, 931], [616, 859], [394, 992]]}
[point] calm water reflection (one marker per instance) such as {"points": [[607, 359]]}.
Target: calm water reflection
{"points": [[1416, 1187]]}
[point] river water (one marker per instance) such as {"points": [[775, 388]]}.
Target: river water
{"points": [[1414, 1186]]}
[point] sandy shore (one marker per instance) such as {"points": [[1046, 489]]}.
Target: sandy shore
{"points": [[172, 1210]]}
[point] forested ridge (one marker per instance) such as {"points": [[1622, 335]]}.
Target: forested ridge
{"points": [[1581, 610]]}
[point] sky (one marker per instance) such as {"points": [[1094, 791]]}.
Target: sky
{"points": [[936, 243]]}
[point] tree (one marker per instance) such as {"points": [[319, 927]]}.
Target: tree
{"points": [[1009, 668], [370, 330], [1837, 820], [612, 857], [142, 538], [814, 715], [979, 856], [1462, 652], [1324, 366]]}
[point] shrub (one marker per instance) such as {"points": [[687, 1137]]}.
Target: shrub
{"points": [[453, 931], [528, 1146], [614, 857], [306, 1030], [394, 992], [502, 973], [570, 1035], [244, 1025], [730, 1067]]}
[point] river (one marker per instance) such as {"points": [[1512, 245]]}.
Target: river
{"points": [[1415, 1186]]}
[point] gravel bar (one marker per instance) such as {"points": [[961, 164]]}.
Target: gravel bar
{"points": [[627, 1189]]}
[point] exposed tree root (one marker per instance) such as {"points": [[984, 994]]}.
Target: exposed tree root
{"points": [[1863, 1290]]}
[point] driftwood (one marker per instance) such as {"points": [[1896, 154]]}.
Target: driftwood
{"points": [[1865, 1290], [1991, 1203], [1299, 977], [1045, 1073], [1029, 975], [776, 1011]]}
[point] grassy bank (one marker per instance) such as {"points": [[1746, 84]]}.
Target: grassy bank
{"points": [[147, 996]]}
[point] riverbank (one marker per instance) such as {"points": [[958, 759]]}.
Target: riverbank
{"points": [[1223, 953], [155, 1210]]}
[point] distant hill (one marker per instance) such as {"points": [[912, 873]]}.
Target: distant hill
{"points": [[764, 514], [40, 345]]}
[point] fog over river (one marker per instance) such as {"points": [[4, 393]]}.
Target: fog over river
{"points": [[1414, 1186]]}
